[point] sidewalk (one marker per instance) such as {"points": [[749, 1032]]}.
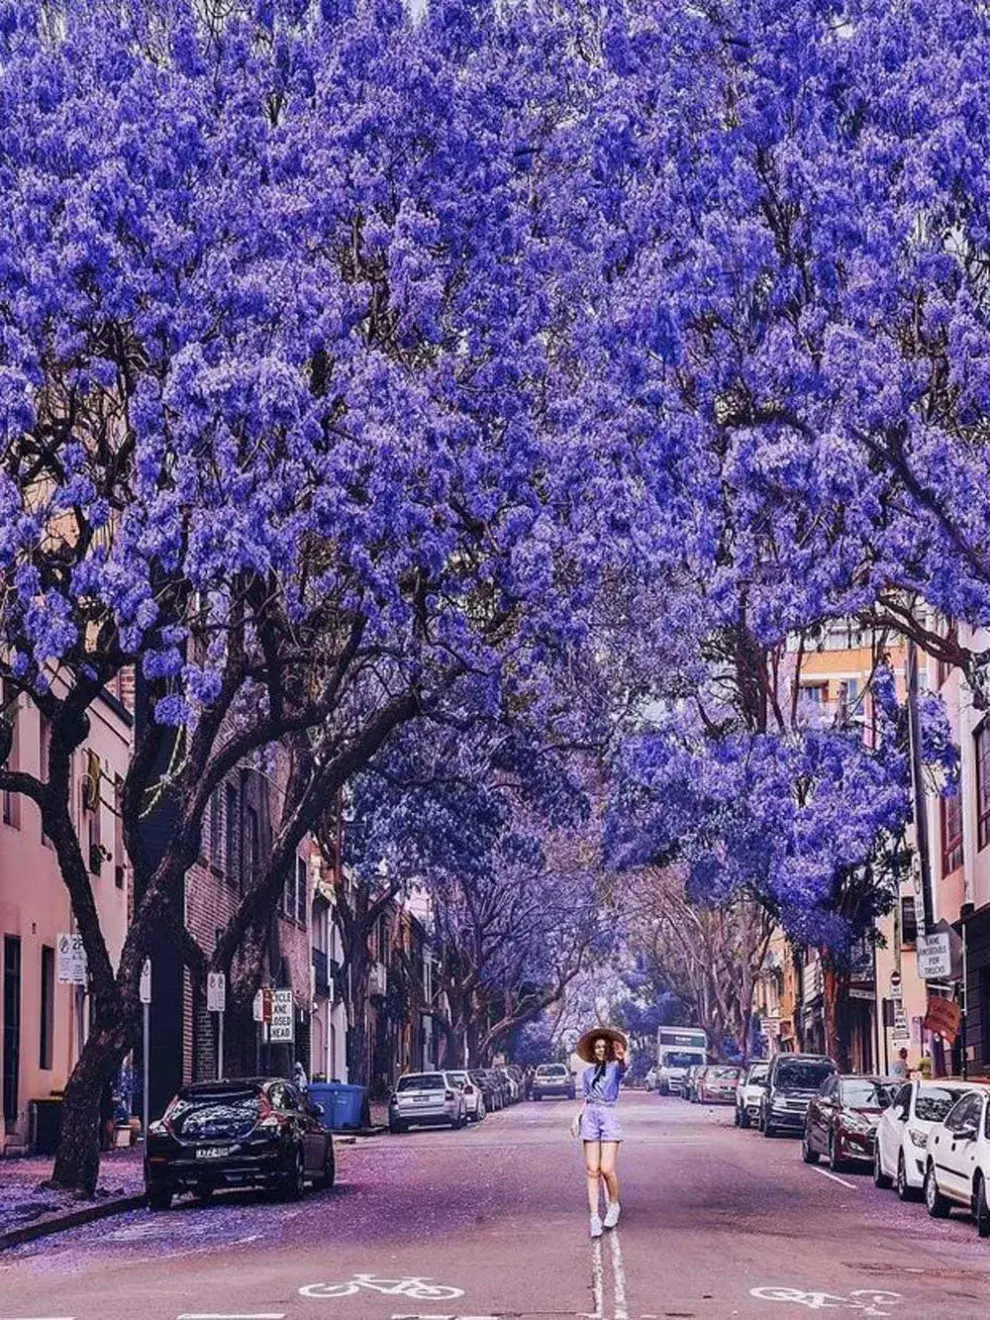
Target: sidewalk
{"points": [[29, 1210]]}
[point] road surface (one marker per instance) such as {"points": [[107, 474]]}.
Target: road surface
{"points": [[716, 1223]]}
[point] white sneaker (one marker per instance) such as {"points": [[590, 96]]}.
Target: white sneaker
{"points": [[612, 1214], [596, 1226]]}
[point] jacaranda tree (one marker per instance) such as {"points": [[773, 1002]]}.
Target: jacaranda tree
{"points": [[291, 339]]}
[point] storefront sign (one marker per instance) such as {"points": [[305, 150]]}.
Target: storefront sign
{"points": [[943, 1016]]}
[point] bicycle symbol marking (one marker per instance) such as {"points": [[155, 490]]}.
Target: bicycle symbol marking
{"points": [[417, 1286], [868, 1301]]}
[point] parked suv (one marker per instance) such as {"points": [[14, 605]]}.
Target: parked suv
{"points": [[552, 1079], [791, 1082], [426, 1098]]}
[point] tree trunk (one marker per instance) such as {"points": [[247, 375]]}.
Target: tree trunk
{"points": [[836, 1045], [77, 1160], [359, 1042]]}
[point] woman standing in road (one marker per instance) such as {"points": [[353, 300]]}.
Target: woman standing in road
{"points": [[597, 1122]]}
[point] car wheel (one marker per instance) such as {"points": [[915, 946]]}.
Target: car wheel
{"points": [[536, 1096], [904, 1189], [293, 1183], [938, 1206], [744, 1120], [835, 1161], [880, 1179], [768, 1128], [159, 1198], [981, 1211], [480, 1112], [735, 1117], [395, 1127], [807, 1154], [329, 1174], [205, 1192]]}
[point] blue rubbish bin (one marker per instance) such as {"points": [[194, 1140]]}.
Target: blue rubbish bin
{"points": [[342, 1104], [348, 1106]]}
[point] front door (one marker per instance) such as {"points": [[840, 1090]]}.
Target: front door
{"points": [[11, 1028]]}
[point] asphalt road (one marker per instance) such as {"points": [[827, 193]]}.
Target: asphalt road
{"points": [[716, 1223]]}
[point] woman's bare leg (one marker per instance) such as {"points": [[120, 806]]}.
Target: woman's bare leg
{"points": [[592, 1166], [609, 1159]]}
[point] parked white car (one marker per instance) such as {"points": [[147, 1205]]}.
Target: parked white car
{"points": [[899, 1156], [473, 1099], [752, 1085], [957, 1160]]}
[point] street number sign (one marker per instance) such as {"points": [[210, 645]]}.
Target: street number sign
{"points": [[283, 1025], [144, 989], [216, 992], [71, 960], [934, 957]]}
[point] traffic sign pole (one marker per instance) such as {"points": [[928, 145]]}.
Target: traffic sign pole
{"points": [[220, 1050], [145, 992]]}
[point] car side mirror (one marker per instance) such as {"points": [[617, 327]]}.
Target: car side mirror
{"points": [[900, 1113], [966, 1134], [317, 1110]]}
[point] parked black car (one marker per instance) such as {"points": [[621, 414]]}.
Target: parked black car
{"points": [[250, 1132], [490, 1091], [792, 1081]]}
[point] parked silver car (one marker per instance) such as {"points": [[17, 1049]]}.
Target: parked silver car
{"points": [[552, 1079], [428, 1098]]}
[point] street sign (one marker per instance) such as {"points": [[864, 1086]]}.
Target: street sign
{"points": [[216, 992], [283, 1025], [934, 957], [144, 990], [896, 988], [901, 1030], [71, 960]]}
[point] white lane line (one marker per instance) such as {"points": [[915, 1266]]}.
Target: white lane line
{"points": [[597, 1278], [835, 1178], [39, 1317], [254, 1315], [618, 1276]]}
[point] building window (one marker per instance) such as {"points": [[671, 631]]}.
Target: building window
{"points": [[230, 858], [119, 872], [90, 794], [11, 804], [250, 844], [952, 832], [983, 784], [814, 694], [215, 823], [909, 922], [301, 888], [46, 1037], [11, 1025], [44, 752]]}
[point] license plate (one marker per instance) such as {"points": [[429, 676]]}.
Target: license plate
{"points": [[213, 1152], [422, 1099]]}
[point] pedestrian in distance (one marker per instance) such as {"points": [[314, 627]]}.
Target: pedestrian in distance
{"points": [[899, 1068], [299, 1076], [597, 1122]]}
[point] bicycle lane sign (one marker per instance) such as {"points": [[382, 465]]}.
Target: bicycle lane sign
{"points": [[417, 1287]]}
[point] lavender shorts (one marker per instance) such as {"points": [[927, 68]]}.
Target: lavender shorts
{"points": [[600, 1123]]}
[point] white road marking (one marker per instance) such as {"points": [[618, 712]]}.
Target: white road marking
{"points": [[835, 1178], [41, 1317], [255, 1315], [618, 1276], [597, 1278]]}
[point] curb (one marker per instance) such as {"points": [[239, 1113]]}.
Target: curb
{"points": [[14, 1237]]}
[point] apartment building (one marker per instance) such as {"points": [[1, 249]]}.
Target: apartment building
{"points": [[45, 1018]]}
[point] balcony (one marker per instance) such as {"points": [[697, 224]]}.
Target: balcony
{"points": [[321, 973]]}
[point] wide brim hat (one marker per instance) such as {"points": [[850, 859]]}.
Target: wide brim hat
{"points": [[586, 1045]]}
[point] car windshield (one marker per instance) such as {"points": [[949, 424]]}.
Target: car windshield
{"points": [[934, 1102], [722, 1074], [551, 1070], [422, 1082], [679, 1059], [863, 1093], [803, 1074], [459, 1077], [758, 1071]]}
